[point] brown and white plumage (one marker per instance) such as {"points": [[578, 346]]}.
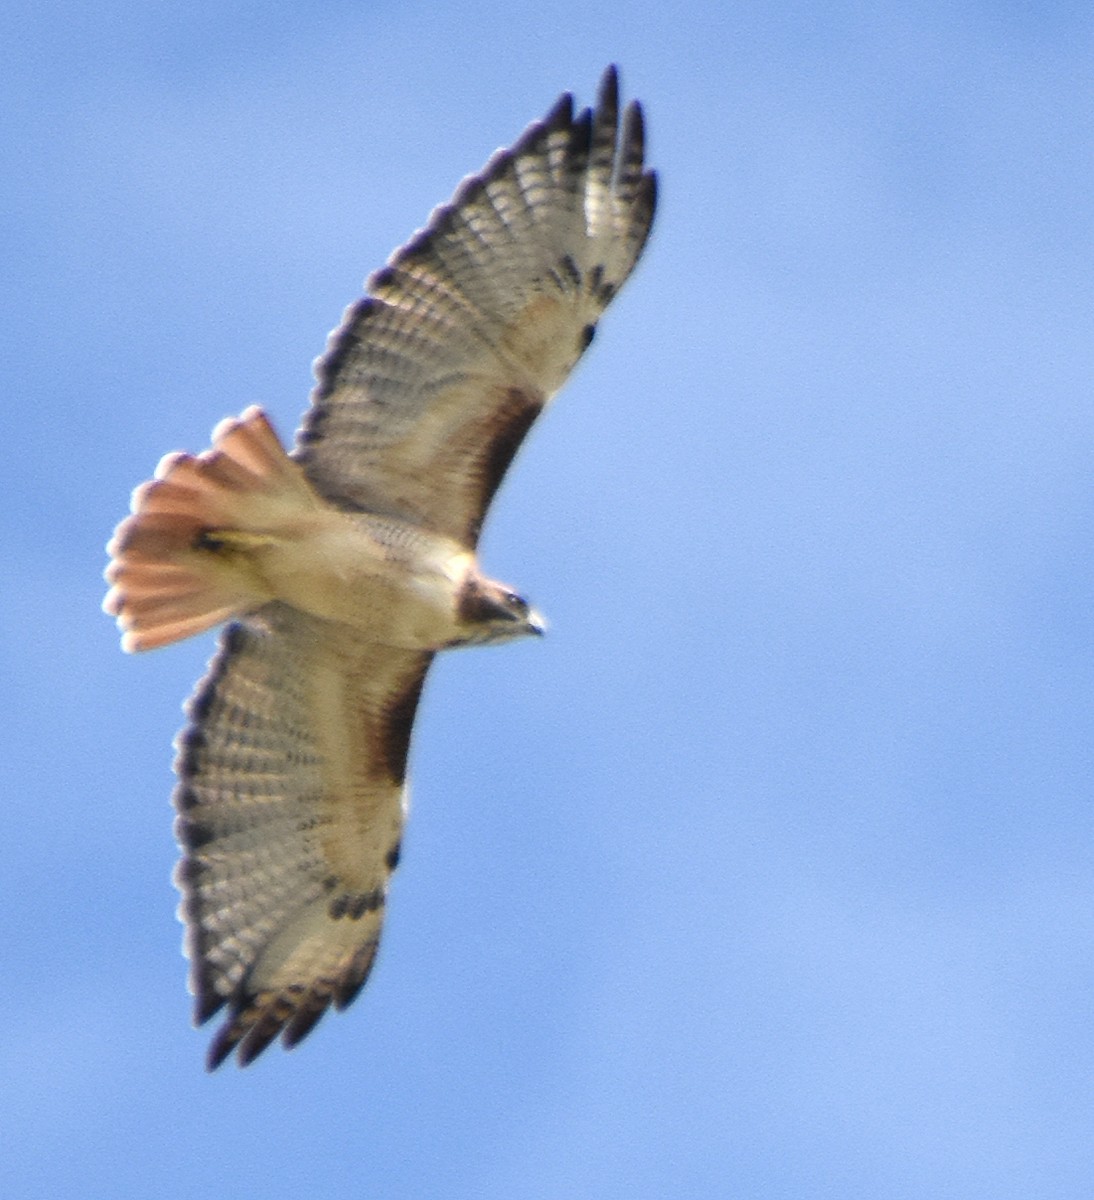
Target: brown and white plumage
{"points": [[347, 565]]}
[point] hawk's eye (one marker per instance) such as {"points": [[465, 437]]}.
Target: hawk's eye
{"points": [[517, 603]]}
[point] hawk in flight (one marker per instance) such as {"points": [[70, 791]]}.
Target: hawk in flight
{"points": [[345, 565]]}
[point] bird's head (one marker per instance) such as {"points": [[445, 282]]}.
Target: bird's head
{"points": [[489, 611]]}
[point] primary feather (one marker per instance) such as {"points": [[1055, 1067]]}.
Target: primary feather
{"points": [[348, 564]]}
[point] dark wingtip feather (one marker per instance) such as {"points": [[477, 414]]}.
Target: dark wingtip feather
{"points": [[260, 1035], [352, 980], [632, 150], [561, 113], [646, 196], [222, 1045], [306, 1017], [608, 89], [606, 117], [206, 1004]]}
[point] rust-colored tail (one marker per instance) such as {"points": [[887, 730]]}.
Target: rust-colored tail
{"points": [[184, 560]]}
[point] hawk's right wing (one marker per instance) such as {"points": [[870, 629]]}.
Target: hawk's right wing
{"points": [[429, 386]]}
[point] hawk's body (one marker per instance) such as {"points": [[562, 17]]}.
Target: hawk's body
{"points": [[346, 566]]}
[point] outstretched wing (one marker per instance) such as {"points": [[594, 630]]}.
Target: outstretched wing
{"points": [[290, 812], [434, 378]]}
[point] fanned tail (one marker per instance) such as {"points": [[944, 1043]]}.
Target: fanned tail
{"points": [[184, 561]]}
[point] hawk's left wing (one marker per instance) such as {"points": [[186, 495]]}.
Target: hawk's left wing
{"points": [[290, 812]]}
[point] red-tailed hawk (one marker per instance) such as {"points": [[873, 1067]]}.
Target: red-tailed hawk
{"points": [[346, 565]]}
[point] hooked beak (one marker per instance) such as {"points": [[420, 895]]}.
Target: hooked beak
{"points": [[537, 623]]}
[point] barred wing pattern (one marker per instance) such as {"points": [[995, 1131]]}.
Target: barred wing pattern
{"points": [[290, 811], [429, 386], [291, 772]]}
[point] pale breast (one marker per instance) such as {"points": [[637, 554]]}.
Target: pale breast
{"points": [[390, 580]]}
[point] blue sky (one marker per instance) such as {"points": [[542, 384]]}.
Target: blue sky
{"points": [[770, 872]]}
